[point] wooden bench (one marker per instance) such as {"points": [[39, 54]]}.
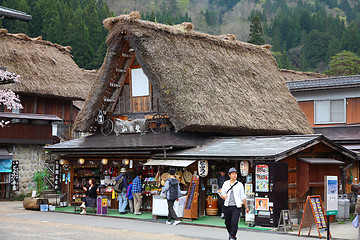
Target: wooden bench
{"points": [[77, 207]]}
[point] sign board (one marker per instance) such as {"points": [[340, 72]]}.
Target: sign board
{"points": [[14, 177], [57, 175], [313, 214], [191, 204], [135, 126], [5, 165], [331, 195], [203, 168]]}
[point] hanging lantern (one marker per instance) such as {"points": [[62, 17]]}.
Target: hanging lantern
{"points": [[203, 167], [244, 168], [104, 161], [62, 161], [81, 161], [125, 161]]}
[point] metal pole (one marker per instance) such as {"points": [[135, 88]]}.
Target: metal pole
{"points": [[328, 226]]}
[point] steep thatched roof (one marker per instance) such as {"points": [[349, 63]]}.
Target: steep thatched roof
{"points": [[45, 68], [291, 75], [207, 83]]}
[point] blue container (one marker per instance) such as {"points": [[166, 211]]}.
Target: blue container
{"points": [[44, 207]]}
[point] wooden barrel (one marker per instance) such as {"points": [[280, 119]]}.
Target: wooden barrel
{"points": [[212, 206]]}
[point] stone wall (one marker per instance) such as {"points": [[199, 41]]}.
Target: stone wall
{"points": [[31, 158]]}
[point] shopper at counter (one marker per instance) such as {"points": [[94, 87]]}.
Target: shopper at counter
{"points": [[136, 192], [173, 192], [220, 180], [90, 199], [121, 186], [233, 193]]}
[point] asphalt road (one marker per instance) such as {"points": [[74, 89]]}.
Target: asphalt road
{"points": [[17, 223]]}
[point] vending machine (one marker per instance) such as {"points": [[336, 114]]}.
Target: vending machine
{"points": [[271, 192]]}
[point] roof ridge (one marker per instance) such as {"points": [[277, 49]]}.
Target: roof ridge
{"points": [[38, 40]]}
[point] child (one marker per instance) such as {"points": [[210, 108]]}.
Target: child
{"points": [[129, 196]]}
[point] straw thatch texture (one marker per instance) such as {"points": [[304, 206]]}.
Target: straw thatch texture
{"points": [[207, 83], [291, 75], [45, 68]]}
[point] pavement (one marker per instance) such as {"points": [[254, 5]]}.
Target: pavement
{"points": [[18, 223]]}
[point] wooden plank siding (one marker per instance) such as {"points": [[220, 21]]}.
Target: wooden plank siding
{"points": [[308, 179], [352, 112], [26, 131]]}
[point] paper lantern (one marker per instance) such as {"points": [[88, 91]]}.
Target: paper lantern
{"points": [[203, 168], [81, 161], [104, 161], [244, 168]]}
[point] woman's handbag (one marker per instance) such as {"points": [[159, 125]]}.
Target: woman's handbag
{"points": [[355, 222]]}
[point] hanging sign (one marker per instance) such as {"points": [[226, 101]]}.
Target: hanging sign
{"points": [[57, 175], [134, 126], [203, 168], [331, 195], [14, 177], [244, 168], [313, 213]]}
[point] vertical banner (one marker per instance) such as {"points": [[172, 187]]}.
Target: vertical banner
{"points": [[331, 195], [57, 175], [14, 177]]}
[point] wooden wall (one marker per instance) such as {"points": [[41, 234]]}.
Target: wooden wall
{"points": [[308, 179], [127, 104], [33, 133], [62, 108], [352, 112]]}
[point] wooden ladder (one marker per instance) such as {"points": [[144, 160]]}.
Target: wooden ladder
{"points": [[117, 81]]}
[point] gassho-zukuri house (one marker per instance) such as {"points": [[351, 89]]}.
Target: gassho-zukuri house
{"points": [[170, 97]]}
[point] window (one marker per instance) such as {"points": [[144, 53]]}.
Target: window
{"points": [[139, 83], [330, 111]]}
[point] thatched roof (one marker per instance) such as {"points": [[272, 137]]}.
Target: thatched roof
{"points": [[45, 68], [291, 75], [207, 83]]}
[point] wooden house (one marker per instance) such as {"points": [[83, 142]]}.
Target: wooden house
{"points": [[49, 85], [167, 88], [331, 105]]}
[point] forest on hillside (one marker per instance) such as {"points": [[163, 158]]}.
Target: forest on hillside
{"points": [[304, 34]]}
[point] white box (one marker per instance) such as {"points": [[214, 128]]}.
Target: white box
{"points": [[160, 206]]}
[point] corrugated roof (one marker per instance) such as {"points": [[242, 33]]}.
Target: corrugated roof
{"points": [[14, 14], [247, 146], [29, 116], [98, 142], [325, 83]]}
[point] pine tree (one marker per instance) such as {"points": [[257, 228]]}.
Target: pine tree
{"points": [[344, 63], [256, 32]]}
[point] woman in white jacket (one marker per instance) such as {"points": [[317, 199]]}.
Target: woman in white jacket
{"points": [[233, 193]]}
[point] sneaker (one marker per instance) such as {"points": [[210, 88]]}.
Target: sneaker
{"points": [[123, 212], [83, 211], [177, 222], [82, 205], [137, 213], [168, 223], [222, 216]]}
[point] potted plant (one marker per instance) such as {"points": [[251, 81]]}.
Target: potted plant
{"points": [[34, 202]]}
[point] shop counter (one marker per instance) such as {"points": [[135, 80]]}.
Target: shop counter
{"points": [[160, 206]]}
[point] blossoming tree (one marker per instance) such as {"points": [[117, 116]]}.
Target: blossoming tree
{"points": [[8, 98]]}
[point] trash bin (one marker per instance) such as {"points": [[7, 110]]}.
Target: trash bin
{"points": [[347, 208], [341, 207], [101, 203]]}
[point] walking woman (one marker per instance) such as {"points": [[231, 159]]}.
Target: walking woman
{"points": [[234, 196]]}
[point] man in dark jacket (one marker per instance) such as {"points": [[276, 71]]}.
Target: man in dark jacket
{"points": [[172, 189]]}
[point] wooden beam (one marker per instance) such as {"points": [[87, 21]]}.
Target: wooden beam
{"points": [[128, 64]]}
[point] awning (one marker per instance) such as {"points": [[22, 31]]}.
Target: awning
{"points": [[30, 116], [321, 161], [4, 153], [172, 163]]}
